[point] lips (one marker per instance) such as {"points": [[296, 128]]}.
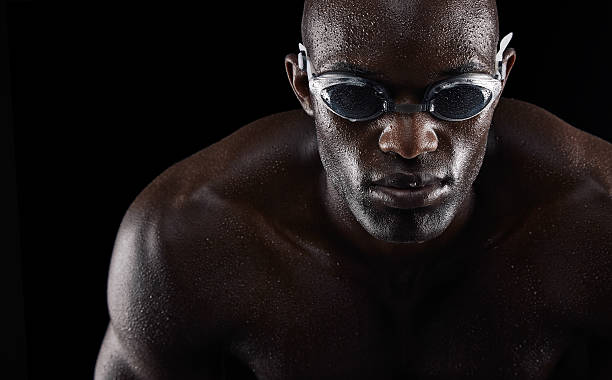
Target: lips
{"points": [[409, 190], [407, 180]]}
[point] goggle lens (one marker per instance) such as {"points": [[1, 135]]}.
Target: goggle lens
{"points": [[461, 101], [354, 101]]}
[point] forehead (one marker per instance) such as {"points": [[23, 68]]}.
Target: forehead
{"points": [[397, 37]]}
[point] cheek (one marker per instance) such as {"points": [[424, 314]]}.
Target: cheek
{"points": [[338, 156], [338, 142], [469, 146]]}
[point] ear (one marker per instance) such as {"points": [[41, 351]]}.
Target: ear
{"points": [[299, 82], [509, 59]]}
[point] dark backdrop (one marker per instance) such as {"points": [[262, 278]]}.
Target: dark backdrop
{"points": [[106, 96]]}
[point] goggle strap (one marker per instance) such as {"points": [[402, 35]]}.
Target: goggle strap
{"points": [[499, 57], [303, 61]]}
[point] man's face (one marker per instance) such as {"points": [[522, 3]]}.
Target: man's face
{"points": [[405, 50]]}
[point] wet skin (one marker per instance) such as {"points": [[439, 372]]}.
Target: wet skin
{"points": [[264, 255], [230, 256]]}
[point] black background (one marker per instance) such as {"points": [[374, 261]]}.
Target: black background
{"points": [[107, 96]]}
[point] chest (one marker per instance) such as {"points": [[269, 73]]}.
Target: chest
{"points": [[312, 321]]}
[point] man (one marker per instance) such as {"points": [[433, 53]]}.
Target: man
{"points": [[409, 223]]}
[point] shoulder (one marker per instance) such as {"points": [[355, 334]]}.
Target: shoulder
{"points": [[209, 193], [198, 205], [547, 146], [196, 232], [561, 181], [157, 265], [558, 174]]}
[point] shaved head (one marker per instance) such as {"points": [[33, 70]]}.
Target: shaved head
{"points": [[368, 31]]}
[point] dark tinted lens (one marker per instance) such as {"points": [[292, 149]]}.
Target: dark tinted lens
{"points": [[461, 101], [353, 101]]}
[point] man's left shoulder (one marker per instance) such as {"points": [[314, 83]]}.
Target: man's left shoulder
{"points": [[561, 178], [565, 243], [550, 148], [559, 171], [571, 245]]}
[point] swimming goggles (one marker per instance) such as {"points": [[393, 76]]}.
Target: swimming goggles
{"points": [[359, 99]]}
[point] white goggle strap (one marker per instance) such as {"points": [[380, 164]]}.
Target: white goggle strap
{"points": [[303, 61], [499, 57]]}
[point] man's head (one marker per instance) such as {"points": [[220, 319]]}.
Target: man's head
{"points": [[405, 46]]}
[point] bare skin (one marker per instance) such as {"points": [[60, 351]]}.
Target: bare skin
{"points": [[245, 261]]}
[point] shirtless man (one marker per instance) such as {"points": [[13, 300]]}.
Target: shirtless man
{"points": [[465, 237]]}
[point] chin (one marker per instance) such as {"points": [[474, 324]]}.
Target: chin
{"points": [[406, 226], [403, 236]]}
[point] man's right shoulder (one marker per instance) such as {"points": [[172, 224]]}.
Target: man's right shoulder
{"points": [[199, 223], [167, 288], [203, 193], [166, 249]]}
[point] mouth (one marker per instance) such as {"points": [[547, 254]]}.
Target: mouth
{"points": [[409, 190]]}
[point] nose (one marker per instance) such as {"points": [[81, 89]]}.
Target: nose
{"points": [[408, 136]]}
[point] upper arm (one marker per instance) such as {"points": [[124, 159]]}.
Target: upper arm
{"points": [[157, 329]]}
